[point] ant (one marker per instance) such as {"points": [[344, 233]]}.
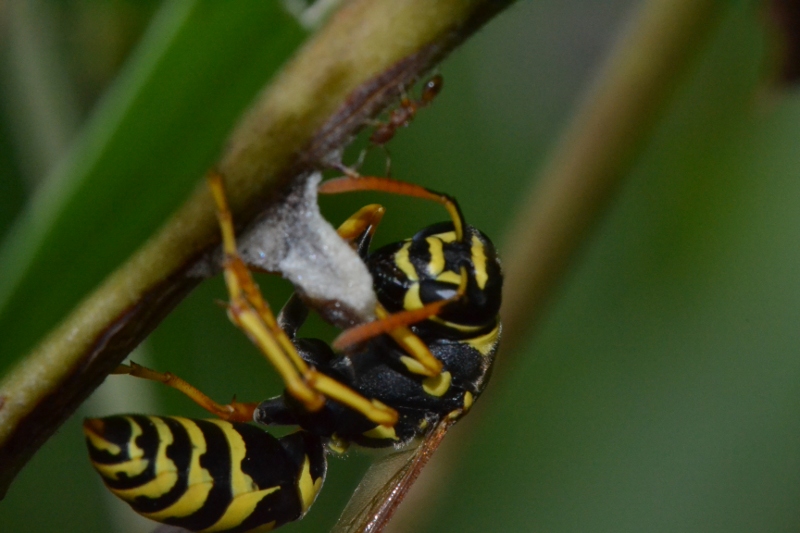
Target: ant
{"points": [[400, 117], [405, 112]]}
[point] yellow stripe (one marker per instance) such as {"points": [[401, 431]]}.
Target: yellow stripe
{"points": [[99, 443], [468, 400], [241, 483], [155, 488], [447, 236], [307, 487], [413, 366], [437, 385], [134, 451], [403, 262], [129, 468], [165, 471], [240, 508], [244, 496], [479, 260], [199, 483], [449, 276], [464, 328], [382, 432], [485, 343], [411, 299], [436, 264]]}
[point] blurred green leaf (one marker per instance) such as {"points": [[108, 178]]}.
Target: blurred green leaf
{"points": [[662, 392], [148, 142]]}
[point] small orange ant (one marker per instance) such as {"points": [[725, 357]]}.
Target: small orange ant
{"points": [[405, 112], [398, 118]]}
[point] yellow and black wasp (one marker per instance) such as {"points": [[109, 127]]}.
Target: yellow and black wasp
{"points": [[408, 374]]}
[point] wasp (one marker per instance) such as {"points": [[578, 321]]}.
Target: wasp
{"points": [[408, 374]]}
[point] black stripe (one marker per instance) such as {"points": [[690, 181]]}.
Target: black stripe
{"points": [[419, 254], [217, 460], [265, 461], [148, 442], [268, 464], [432, 332], [316, 453], [180, 452], [116, 430], [390, 283]]}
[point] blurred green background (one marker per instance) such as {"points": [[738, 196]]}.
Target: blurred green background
{"points": [[661, 392]]}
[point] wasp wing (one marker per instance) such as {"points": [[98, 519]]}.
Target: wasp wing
{"points": [[386, 483]]}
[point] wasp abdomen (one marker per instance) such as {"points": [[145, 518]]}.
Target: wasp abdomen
{"points": [[206, 475]]}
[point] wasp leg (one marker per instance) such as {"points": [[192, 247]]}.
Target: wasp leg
{"points": [[274, 412], [371, 183], [358, 230], [351, 171], [292, 316], [388, 154], [232, 412], [396, 325], [360, 227], [248, 311]]}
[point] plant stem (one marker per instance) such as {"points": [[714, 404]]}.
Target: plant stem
{"points": [[350, 71]]}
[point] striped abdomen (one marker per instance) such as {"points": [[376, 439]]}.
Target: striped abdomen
{"points": [[206, 475]]}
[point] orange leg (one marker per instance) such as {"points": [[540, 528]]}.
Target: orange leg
{"points": [[354, 230], [362, 224], [248, 311], [251, 314], [397, 325], [352, 183], [233, 412]]}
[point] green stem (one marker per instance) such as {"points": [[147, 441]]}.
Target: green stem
{"points": [[350, 71]]}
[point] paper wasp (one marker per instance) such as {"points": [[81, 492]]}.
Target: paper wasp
{"points": [[409, 374]]}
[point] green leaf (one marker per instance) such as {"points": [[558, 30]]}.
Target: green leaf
{"points": [[146, 145]]}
